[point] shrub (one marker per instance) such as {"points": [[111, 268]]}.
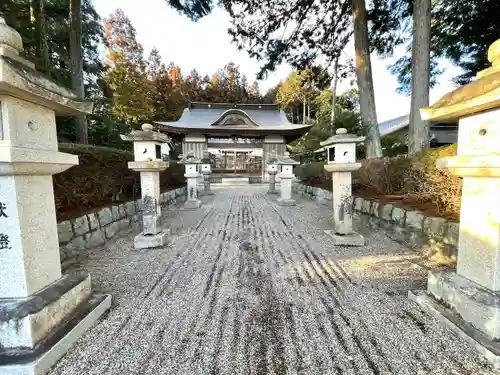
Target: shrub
{"points": [[314, 174], [415, 178], [382, 176], [428, 184], [102, 173]]}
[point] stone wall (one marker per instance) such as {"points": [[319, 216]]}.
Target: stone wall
{"points": [[94, 229], [322, 196], [411, 227]]}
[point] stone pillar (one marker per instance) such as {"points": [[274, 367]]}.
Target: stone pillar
{"points": [[191, 173], [36, 301], [272, 171], [271, 144], [195, 143], [468, 300], [287, 177], [148, 162], [341, 167], [206, 171]]}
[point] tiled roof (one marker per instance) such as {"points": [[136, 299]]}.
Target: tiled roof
{"points": [[204, 115]]}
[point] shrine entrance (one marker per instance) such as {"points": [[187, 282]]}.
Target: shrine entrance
{"points": [[235, 156], [239, 137]]}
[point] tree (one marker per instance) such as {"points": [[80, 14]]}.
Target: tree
{"points": [[126, 74], [76, 63], [418, 133], [365, 80], [40, 34], [461, 31], [300, 32]]}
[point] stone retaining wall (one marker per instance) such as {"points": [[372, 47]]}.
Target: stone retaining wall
{"points": [[94, 229], [321, 196], [411, 227]]}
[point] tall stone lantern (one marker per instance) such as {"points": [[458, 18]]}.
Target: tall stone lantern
{"points": [[341, 168], [42, 312], [286, 175], [272, 171], [468, 300], [148, 162], [191, 164], [206, 171]]}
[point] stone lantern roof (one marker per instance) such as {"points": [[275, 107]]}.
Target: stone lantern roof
{"points": [[18, 78], [480, 95], [189, 158], [287, 160], [146, 134], [341, 136]]}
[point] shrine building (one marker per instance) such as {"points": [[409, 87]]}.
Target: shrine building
{"points": [[239, 137]]}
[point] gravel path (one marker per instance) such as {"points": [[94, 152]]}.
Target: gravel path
{"points": [[249, 287]]}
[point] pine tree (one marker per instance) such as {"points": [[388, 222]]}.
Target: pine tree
{"points": [[126, 74]]}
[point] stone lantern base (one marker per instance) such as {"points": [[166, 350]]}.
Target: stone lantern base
{"points": [[54, 317], [150, 241], [349, 239], [286, 202], [191, 204], [466, 308]]}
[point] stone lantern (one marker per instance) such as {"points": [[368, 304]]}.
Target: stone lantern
{"points": [[206, 171], [42, 312], [148, 162], [468, 300], [191, 164], [286, 175], [272, 170], [341, 167]]}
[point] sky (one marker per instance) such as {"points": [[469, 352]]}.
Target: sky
{"points": [[206, 46]]}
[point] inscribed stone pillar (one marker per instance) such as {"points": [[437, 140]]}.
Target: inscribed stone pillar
{"points": [[272, 144], [191, 164], [148, 162], [206, 171], [287, 177], [37, 302], [469, 300], [272, 171], [341, 168]]}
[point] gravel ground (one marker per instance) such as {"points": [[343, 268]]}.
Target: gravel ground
{"points": [[249, 287]]}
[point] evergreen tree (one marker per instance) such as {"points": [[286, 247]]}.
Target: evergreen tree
{"points": [[126, 74]]}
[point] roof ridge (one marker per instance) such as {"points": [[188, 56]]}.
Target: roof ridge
{"points": [[193, 105]]}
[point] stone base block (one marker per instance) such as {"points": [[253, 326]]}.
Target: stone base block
{"points": [[149, 241], [350, 239], [475, 304], [192, 204], [26, 322], [38, 330], [488, 348], [286, 202], [272, 191]]}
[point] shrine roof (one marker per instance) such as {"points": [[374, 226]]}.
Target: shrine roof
{"points": [[220, 118]]}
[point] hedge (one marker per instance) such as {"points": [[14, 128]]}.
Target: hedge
{"points": [[416, 179], [101, 178]]}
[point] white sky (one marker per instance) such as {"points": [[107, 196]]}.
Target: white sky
{"points": [[206, 46]]}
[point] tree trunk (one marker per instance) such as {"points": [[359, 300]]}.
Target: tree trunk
{"points": [[418, 132], [304, 111], [334, 88], [37, 10], [75, 47], [365, 80], [308, 111]]}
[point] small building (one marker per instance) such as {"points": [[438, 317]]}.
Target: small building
{"points": [[440, 134], [239, 137]]}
